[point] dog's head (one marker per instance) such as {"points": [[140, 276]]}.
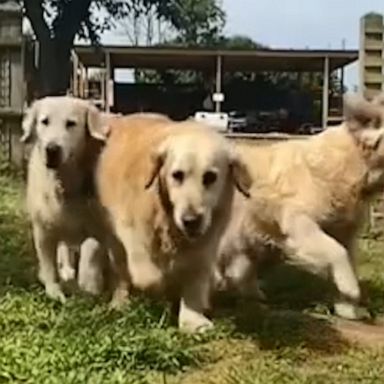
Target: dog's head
{"points": [[365, 121], [195, 168], [61, 126]]}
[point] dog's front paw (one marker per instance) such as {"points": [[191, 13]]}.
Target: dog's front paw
{"points": [[67, 274], [147, 276], [55, 292], [120, 298], [350, 311], [193, 322]]}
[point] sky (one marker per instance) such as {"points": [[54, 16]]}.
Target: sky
{"points": [[320, 24]]}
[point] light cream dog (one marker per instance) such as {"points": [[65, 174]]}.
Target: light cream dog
{"points": [[308, 201], [66, 134], [167, 188]]}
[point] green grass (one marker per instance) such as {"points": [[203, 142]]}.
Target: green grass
{"points": [[84, 342]]}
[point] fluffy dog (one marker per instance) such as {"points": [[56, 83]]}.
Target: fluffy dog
{"points": [[308, 201], [167, 188], [88, 264], [67, 135]]}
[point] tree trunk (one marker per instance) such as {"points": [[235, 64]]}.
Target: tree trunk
{"points": [[54, 67]]}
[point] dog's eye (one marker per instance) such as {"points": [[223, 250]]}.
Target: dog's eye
{"points": [[45, 121], [178, 176], [70, 124], [209, 178]]}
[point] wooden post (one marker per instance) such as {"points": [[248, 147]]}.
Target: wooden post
{"points": [[325, 106]]}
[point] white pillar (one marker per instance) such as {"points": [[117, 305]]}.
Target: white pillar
{"points": [[325, 105]]}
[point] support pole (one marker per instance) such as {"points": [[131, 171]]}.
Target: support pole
{"points": [[218, 90], [81, 81], [342, 70], [86, 82], [325, 106], [342, 80], [75, 84], [108, 72]]}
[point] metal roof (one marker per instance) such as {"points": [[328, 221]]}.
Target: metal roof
{"points": [[204, 59]]}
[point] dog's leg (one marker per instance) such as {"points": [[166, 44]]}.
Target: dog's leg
{"points": [[145, 274], [46, 250], [194, 301], [237, 269], [90, 276], [307, 243], [241, 274], [66, 262], [342, 308], [119, 273]]}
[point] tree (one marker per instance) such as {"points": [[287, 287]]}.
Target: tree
{"points": [[240, 42], [144, 25], [189, 23], [198, 23], [56, 23]]}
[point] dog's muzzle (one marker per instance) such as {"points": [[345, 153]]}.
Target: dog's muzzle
{"points": [[53, 155], [192, 225]]}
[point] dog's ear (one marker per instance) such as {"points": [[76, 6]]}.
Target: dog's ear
{"points": [[240, 173], [360, 114], [29, 123], [157, 160], [97, 123], [378, 100], [371, 138]]}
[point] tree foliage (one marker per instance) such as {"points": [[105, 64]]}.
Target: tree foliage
{"points": [[198, 22], [182, 23], [56, 23]]}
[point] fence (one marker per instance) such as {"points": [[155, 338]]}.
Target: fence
{"points": [[11, 81]]}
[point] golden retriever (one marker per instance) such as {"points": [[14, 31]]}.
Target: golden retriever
{"points": [[67, 135], [307, 203], [167, 188]]}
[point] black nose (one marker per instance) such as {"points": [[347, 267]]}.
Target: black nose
{"points": [[53, 153], [192, 223]]}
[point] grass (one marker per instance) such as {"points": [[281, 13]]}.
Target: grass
{"points": [[84, 342]]}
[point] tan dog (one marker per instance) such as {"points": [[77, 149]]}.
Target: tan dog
{"points": [[88, 264], [167, 188], [307, 202], [66, 133]]}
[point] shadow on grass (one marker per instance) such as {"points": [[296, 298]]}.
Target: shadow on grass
{"points": [[292, 294]]}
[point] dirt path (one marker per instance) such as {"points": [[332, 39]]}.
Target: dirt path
{"points": [[371, 335]]}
